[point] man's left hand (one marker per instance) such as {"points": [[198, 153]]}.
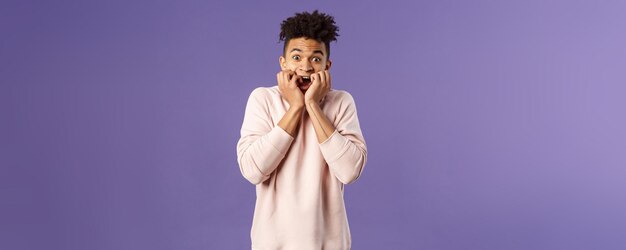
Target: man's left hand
{"points": [[319, 87]]}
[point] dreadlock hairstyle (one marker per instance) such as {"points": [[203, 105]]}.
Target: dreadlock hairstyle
{"points": [[316, 25]]}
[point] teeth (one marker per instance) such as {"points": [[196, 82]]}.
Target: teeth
{"points": [[306, 77]]}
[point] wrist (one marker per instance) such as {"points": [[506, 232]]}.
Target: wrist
{"points": [[297, 107], [308, 100], [311, 103]]}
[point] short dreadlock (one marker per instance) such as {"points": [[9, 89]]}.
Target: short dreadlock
{"points": [[316, 25]]}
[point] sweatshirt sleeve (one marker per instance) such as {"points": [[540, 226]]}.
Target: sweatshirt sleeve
{"points": [[345, 150], [262, 146]]}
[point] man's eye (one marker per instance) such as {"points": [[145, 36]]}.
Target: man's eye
{"points": [[316, 59], [295, 57]]}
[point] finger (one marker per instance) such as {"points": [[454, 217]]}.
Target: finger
{"points": [[285, 79], [324, 78], [315, 77], [291, 80], [279, 77], [327, 73], [284, 74], [320, 78], [294, 79]]}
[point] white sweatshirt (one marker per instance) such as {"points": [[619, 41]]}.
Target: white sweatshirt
{"points": [[300, 182]]}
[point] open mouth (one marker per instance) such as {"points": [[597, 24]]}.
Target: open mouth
{"points": [[304, 80]]}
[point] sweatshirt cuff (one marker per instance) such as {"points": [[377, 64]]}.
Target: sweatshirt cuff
{"points": [[333, 147], [280, 139]]}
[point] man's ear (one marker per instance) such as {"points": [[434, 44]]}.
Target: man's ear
{"points": [[282, 62], [328, 64]]}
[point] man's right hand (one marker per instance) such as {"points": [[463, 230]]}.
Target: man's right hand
{"points": [[290, 91], [289, 88]]}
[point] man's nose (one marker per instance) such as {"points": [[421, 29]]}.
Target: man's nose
{"points": [[306, 66]]}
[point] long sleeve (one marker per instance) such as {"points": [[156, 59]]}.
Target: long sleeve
{"points": [[262, 145], [345, 150], [299, 181]]}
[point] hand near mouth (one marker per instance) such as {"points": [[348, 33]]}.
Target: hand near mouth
{"points": [[287, 84], [321, 84]]}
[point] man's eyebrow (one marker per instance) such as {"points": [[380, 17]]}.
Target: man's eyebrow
{"points": [[299, 50], [318, 51]]}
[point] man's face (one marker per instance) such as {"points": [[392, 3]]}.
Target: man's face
{"points": [[305, 56]]}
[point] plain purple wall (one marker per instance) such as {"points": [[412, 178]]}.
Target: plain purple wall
{"points": [[490, 124]]}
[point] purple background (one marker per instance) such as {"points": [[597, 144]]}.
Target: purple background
{"points": [[490, 125]]}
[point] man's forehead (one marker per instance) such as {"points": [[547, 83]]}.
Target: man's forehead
{"points": [[305, 45]]}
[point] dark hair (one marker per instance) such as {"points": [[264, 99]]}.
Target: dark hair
{"points": [[316, 25]]}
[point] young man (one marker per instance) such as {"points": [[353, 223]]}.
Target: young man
{"points": [[300, 144]]}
